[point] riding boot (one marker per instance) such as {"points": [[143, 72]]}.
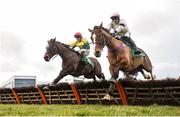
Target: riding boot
{"points": [[129, 41], [132, 45], [137, 51], [83, 58]]}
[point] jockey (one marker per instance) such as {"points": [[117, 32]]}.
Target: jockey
{"points": [[84, 46], [119, 29]]}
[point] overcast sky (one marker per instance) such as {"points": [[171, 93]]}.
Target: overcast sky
{"points": [[26, 25]]}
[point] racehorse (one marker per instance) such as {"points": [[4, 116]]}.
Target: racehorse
{"points": [[119, 55], [71, 62]]}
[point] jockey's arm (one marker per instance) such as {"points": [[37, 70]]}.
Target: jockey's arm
{"points": [[122, 27], [80, 44], [73, 44]]}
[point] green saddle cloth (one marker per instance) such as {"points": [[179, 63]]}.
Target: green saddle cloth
{"points": [[87, 60], [134, 53]]}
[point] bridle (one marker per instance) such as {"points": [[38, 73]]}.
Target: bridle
{"points": [[105, 42], [52, 51], [98, 33]]}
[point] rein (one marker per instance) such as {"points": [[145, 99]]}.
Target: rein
{"points": [[54, 56]]}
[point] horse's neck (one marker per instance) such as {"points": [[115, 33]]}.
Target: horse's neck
{"points": [[64, 52], [111, 41], [107, 35]]}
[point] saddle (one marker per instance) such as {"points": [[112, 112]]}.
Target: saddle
{"points": [[86, 60], [135, 52]]}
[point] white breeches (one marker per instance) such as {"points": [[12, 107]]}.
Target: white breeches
{"points": [[86, 51]]}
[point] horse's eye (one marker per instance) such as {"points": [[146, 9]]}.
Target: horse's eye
{"points": [[55, 48]]}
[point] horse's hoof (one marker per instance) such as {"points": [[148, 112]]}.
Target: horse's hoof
{"points": [[52, 85], [46, 88], [112, 80], [108, 97], [147, 77], [134, 79], [103, 79], [154, 77]]}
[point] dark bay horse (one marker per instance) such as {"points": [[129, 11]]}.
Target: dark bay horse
{"points": [[71, 62], [119, 55]]}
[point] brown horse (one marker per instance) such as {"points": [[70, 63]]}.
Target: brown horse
{"points": [[71, 62], [119, 55]]}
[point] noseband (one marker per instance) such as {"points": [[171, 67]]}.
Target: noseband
{"points": [[101, 37], [53, 51]]}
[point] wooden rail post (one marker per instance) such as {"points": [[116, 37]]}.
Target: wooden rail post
{"points": [[43, 97], [121, 93], [16, 96], [76, 94]]}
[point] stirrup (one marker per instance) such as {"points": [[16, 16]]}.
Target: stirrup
{"points": [[140, 55]]}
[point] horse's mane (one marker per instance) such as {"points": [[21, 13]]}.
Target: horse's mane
{"points": [[68, 47], [105, 29]]}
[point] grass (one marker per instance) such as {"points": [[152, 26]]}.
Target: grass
{"points": [[88, 110]]}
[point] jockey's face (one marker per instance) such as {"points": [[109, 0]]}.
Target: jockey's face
{"points": [[115, 20], [78, 38]]}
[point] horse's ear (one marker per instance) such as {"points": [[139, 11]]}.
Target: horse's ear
{"points": [[90, 30], [101, 25], [92, 39], [54, 40]]}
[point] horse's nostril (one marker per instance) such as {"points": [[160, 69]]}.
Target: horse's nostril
{"points": [[98, 53], [46, 58]]}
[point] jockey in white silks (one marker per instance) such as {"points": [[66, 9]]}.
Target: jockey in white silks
{"points": [[118, 28]]}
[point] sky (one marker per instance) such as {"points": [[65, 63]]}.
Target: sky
{"points": [[26, 25]]}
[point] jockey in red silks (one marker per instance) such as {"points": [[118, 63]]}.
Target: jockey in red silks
{"points": [[118, 28]]}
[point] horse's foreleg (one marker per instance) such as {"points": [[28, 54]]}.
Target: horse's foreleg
{"points": [[94, 78], [59, 77], [114, 73], [152, 76], [111, 88], [102, 76], [144, 75], [127, 76]]}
